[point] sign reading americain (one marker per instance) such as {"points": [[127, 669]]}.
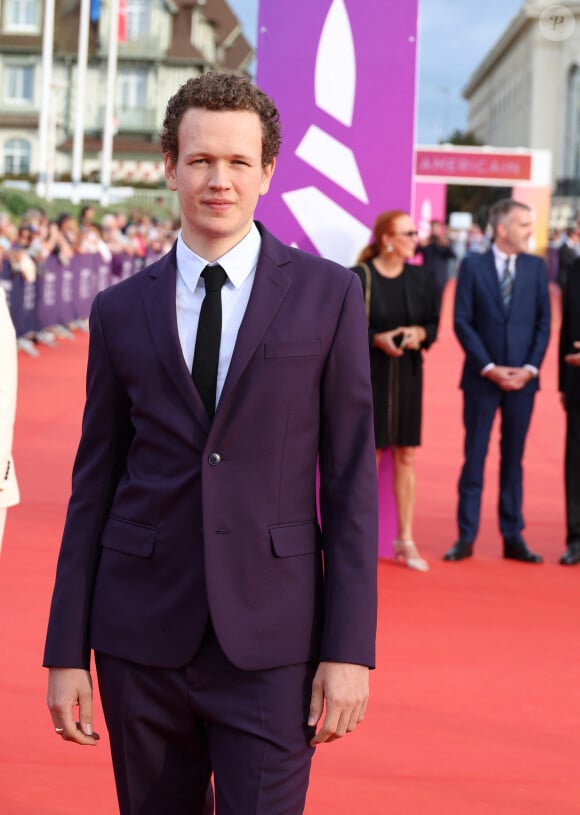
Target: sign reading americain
{"points": [[460, 164]]}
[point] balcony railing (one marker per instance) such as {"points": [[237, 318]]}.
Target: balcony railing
{"points": [[140, 120], [10, 108], [144, 48]]}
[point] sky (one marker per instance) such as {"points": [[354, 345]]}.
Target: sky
{"points": [[454, 37]]}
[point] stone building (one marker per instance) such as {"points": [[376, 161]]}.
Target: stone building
{"points": [[526, 91]]}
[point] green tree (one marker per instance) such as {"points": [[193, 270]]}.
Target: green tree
{"points": [[464, 138]]}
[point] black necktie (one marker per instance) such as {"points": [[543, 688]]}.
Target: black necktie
{"points": [[506, 284], [207, 342]]}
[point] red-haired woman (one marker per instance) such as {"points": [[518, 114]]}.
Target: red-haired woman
{"points": [[402, 313]]}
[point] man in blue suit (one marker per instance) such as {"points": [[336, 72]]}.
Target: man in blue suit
{"points": [[502, 320], [232, 633]]}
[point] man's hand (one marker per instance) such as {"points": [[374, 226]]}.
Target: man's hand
{"points": [[67, 688], [574, 359], [500, 375], [345, 690], [509, 379], [519, 378]]}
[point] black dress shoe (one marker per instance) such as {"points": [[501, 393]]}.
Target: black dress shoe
{"points": [[459, 551], [516, 549], [571, 556]]}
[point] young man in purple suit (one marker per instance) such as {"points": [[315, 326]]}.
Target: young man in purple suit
{"points": [[231, 633]]}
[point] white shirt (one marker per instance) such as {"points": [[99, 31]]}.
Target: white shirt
{"points": [[240, 266], [500, 260]]}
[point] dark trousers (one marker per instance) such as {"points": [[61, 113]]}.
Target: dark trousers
{"points": [[170, 729], [479, 411], [572, 471]]}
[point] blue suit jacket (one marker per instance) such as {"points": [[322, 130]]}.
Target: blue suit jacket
{"points": [[173, 519], [486, 332]]}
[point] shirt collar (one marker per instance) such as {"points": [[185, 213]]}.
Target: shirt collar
{"points": [[239, 262], [501, 257]]}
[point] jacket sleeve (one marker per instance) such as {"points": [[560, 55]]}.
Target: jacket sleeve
{"points": [[564, 340], [100, 459], [541, 333], [348, 491], [568, 376], [476, 353]]}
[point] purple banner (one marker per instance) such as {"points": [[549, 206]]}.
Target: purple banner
{"points": [[343, 75], [49, 292], [104, 273], [67, 293], [29, 310], [85, 284], [123, 266]]}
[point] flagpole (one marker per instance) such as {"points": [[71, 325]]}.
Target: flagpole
{"points": [[108, 130], [45, 98], [79, 132]]}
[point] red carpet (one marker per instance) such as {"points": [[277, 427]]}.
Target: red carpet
{"points": [[476, 703]]}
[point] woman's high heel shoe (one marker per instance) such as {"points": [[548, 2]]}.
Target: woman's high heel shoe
{"points": [[407, 551]]}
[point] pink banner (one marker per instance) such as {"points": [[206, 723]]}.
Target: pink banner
{"points": [[459, 164], [429, 205], [342, 73]]}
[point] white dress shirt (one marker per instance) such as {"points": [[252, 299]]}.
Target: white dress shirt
{"points": [[500, 261], [240, 266]]}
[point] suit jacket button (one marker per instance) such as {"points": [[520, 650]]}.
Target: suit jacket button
{"points": [[214, 459]]}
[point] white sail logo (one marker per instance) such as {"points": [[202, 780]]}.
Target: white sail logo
{"points": [[333, 231]]}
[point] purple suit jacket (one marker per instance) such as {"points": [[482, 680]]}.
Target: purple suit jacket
{"points": [[173, 519]]}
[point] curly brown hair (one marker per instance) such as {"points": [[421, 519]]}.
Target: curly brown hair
{"points": [[221, 90]]}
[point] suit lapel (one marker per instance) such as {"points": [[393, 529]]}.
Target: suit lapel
{"points": [[271, 285], [519, 286], [161, 314], [492, 280]]}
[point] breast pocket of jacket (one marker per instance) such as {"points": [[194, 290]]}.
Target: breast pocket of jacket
{"points": [[128, 537], [290, 350]]}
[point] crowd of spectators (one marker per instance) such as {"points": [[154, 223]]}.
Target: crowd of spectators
{"points": [[27, 243], [36, 237]]}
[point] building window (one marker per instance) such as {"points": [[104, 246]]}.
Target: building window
{"points": [[19, 84], [138, 19], [203, 35], [22, 15], [16, 157], [132, 90]]}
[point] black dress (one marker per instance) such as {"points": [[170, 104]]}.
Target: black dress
{"points": [[397, 382]]}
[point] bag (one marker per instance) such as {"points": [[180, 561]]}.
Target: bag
{"points": [[366, 268]]}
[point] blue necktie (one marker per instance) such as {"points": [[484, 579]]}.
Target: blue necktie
{"points": [[506, 285]]}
